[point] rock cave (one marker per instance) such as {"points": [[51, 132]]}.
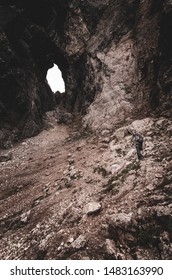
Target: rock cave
{"points": [[64, 152]]}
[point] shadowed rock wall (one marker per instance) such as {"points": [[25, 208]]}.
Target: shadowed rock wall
{"points": [[115, 57]]}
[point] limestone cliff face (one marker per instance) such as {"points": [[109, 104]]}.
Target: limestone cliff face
{"points": [[115, 57], [69, 193]]}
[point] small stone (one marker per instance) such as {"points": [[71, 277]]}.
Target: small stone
{"points": [[25, 216], [105, 132], [24, 144], [110, 247], [161, 122], [71, 161], [24, 220], [19, 187], [65, 172], [130, 154], [79, 242], [73, 174], [149, 133], [6, 157], [122, 219], [115, 147], [159, 176], [106, 140], [69, 155], [101, 149], [104, 146], [92, 207], [117, 167], [70, 240], [68, 183], [46, 188]]}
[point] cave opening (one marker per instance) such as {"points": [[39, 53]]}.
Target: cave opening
{"points": [[55, 79]]}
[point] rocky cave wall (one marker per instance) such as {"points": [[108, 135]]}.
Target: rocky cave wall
{"points": [[115, 58]]}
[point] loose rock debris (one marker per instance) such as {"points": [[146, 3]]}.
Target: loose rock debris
{"points": [[70, 201]]}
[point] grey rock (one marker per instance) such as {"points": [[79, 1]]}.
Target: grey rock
{"points": [[25, 216], [121, 219], [104, 146], [6, 157], [106, 140], [105, 132], [80, 242], [71, 161], [110, 248], [92, 207]]}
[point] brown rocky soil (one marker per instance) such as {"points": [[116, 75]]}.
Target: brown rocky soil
{"points": [[71, 194]]}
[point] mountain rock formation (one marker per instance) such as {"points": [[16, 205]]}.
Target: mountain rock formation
{"points": [[70, 194], [115, 58]]}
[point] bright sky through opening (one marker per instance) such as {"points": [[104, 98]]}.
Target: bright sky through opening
{"points": [[55, 80]]}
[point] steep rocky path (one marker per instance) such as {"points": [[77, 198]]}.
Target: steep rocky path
{"points": [[69, 194]]}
